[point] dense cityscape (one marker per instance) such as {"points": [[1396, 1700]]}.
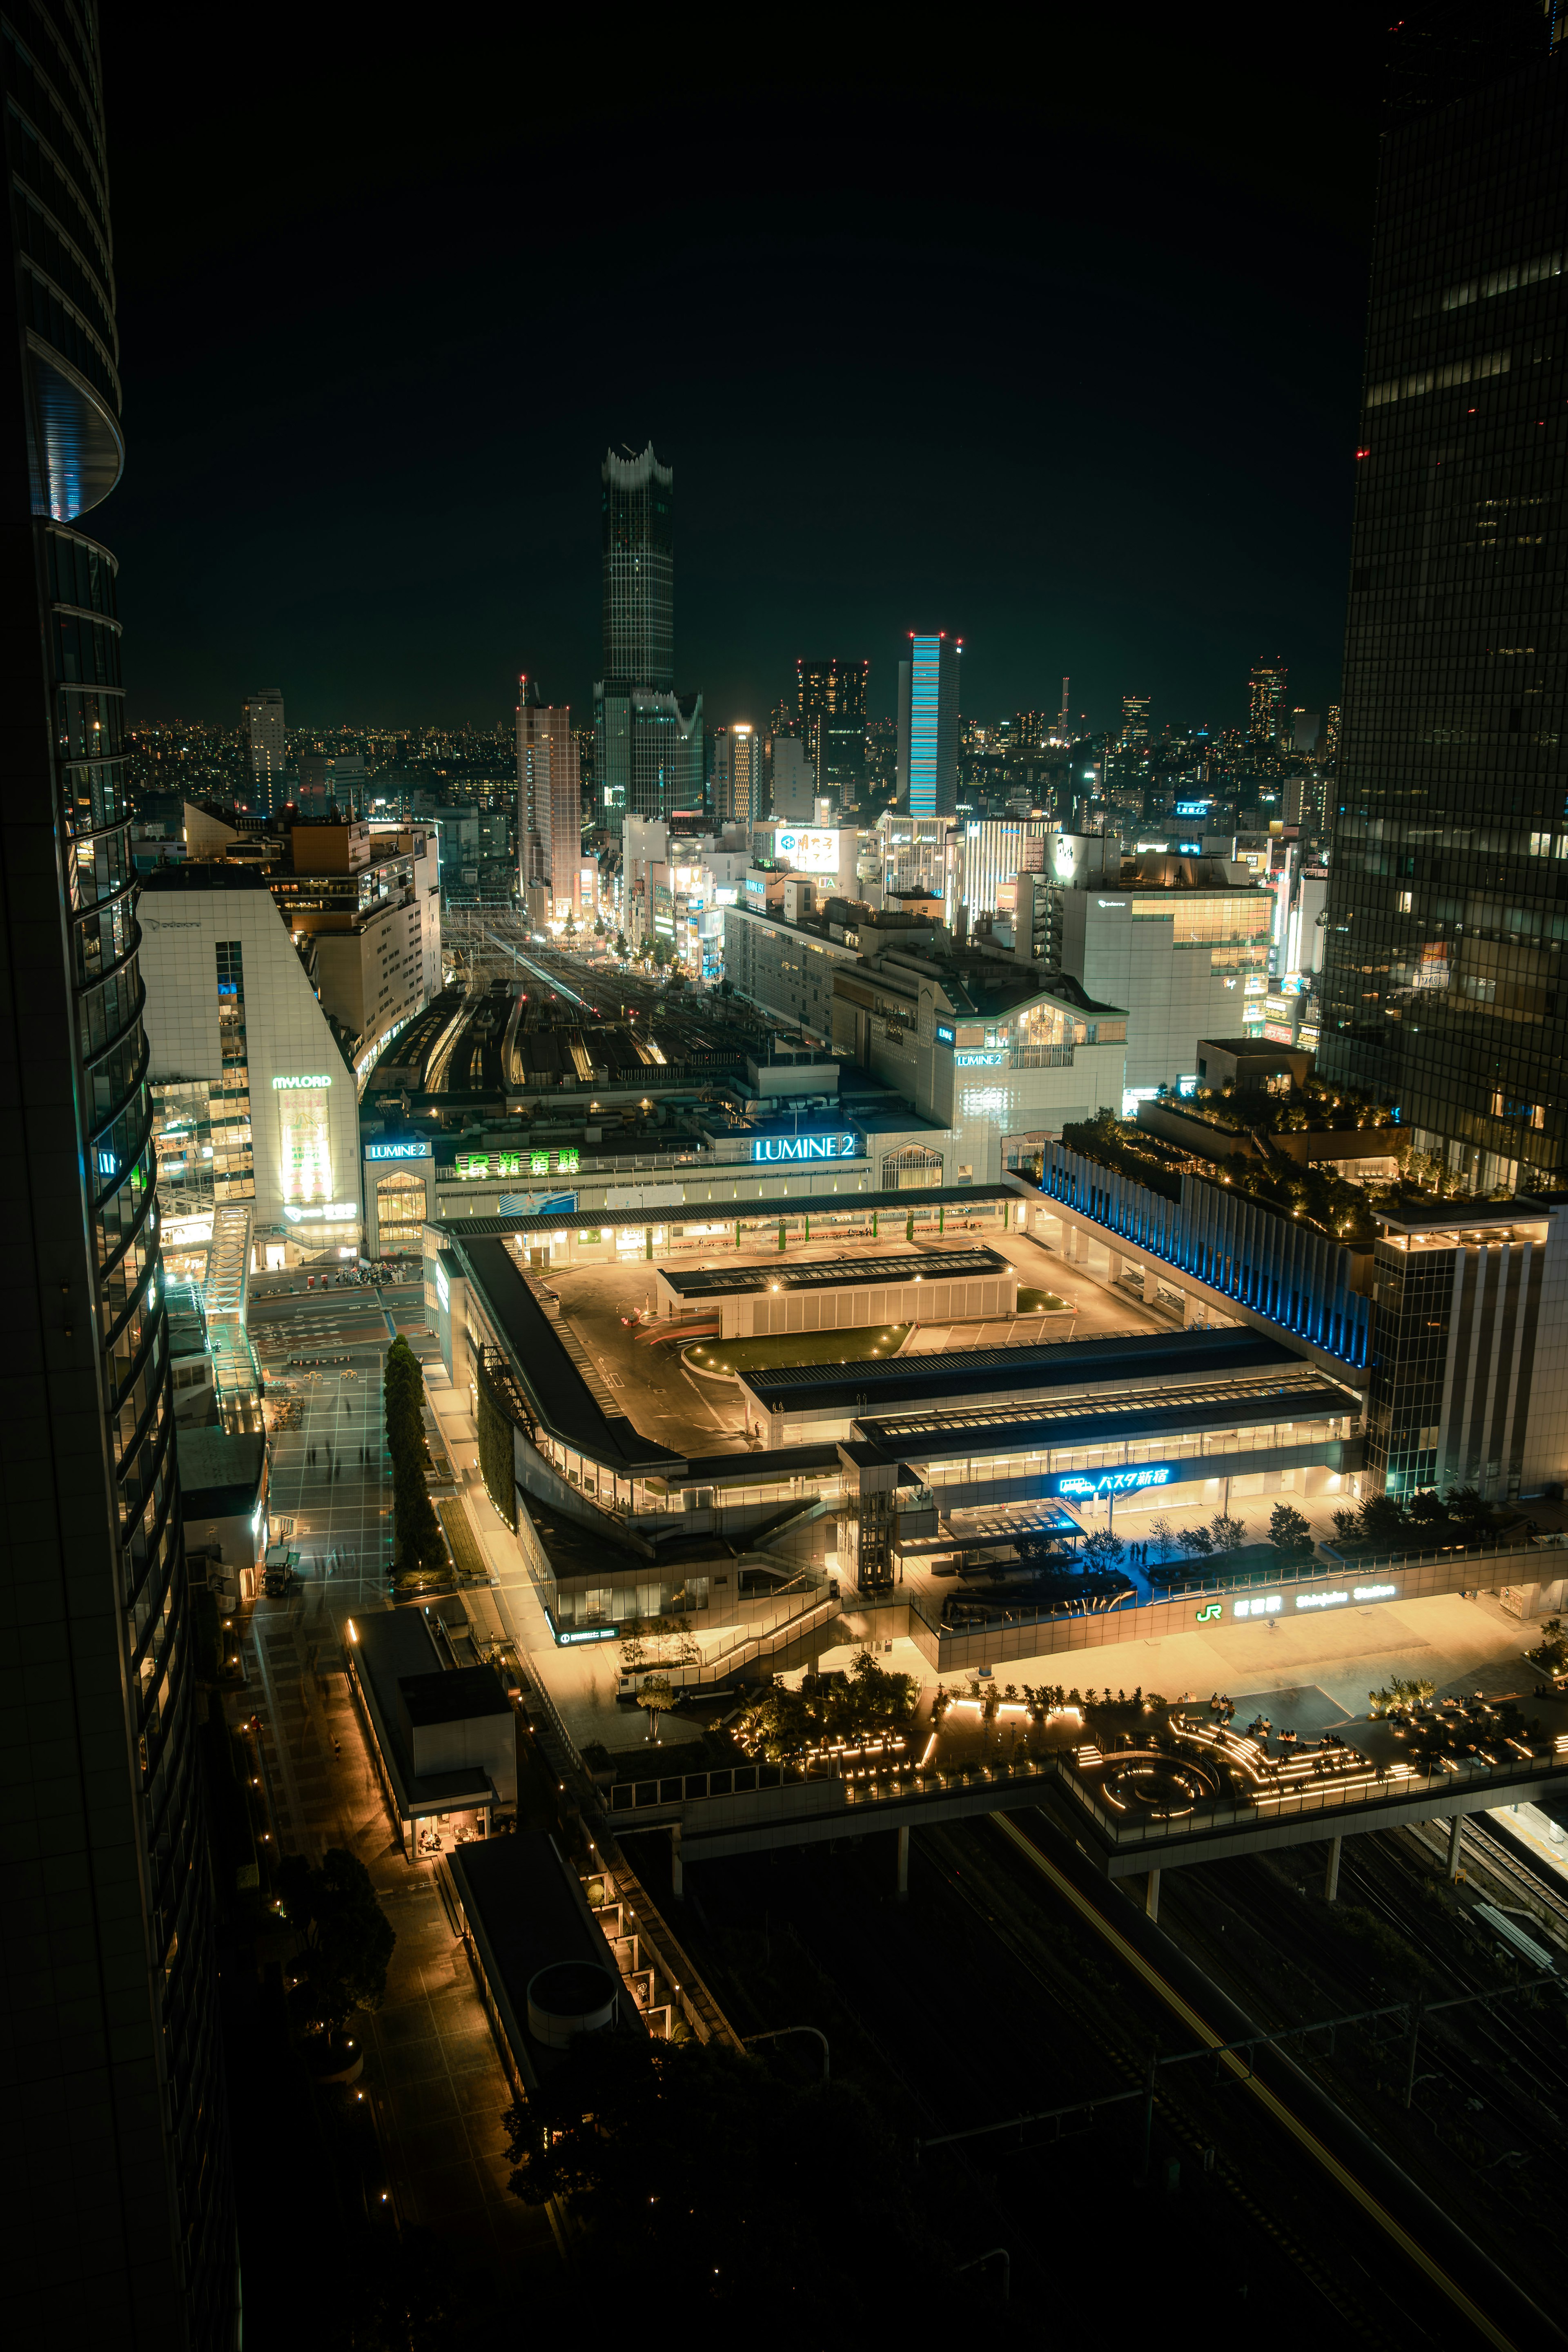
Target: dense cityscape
{"points": [[662, 1335]]}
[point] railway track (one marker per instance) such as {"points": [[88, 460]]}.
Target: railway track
{"points": [[1355, 2298], [1483, 2137], [1504, 1861]]}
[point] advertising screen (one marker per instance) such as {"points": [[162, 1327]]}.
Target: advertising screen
{"points": [[807, 852], [304, 1141]]}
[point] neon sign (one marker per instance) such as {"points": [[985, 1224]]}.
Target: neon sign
{"points": [[320, 1080], [443, 1289], [1210, 1609], [470, 1164], [418, 1150], [1089, 1485], [978, 1061], [803, 1147]]}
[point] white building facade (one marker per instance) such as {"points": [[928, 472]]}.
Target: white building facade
{"points": [[253, 1098]]}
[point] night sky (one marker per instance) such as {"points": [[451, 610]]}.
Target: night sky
{"points": [[1053, 343]]}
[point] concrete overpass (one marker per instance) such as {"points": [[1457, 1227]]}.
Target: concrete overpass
{"points": [[750, 1809]]}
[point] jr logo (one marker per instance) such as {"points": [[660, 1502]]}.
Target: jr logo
{"points": [[1210, 1609]]}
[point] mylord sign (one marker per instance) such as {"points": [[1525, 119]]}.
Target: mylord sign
{"points": [[1102, 1486], [803, 1147]]}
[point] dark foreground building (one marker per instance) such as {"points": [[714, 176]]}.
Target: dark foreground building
{"points": [[1445, 989], [120, 2207]]}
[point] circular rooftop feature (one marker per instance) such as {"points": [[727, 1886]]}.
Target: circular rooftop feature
{"points": [[568, 1998]]}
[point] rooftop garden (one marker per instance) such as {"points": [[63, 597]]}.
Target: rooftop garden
{"points": [[1426, 1522], [1318, 1104], [1340, 1207]]}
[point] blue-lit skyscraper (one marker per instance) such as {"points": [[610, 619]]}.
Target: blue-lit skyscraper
{"points": [[928, 723]]}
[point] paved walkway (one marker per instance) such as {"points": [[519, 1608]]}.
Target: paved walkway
{"points": [[330, 1477], [432, 2069]]}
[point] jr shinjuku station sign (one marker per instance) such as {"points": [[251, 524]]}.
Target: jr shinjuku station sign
{"points": [[1271, 1604]]}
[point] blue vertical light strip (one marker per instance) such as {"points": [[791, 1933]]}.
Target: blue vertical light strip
{"points": [[925, 696], [1299, 1280]]}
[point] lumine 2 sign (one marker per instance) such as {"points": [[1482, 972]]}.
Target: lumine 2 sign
{"points": [[803, 1147]]}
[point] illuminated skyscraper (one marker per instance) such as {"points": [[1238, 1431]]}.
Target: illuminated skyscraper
{"points": [[832, 704], [740, 796], [267, 744], [1265, 702], [119, 2205], [1443, 986], [549, 800], [928, 723], [638, 546], [648, 742], [1134, 734]]}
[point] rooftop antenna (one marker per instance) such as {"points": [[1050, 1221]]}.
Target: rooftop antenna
{"points": [[629, 450]]}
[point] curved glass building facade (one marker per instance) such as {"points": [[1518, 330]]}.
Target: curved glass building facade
{"points": [[115, 2082]]}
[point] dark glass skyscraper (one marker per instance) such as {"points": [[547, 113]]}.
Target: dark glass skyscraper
{"points": [[1444, 986], [119, 2200], [648, 740], [638, 544], [831, 697]]}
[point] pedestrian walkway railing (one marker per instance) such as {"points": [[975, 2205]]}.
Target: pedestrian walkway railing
{"points": [[539, 1697], [751, 1646], [877, 1783], [1343, 1561]]}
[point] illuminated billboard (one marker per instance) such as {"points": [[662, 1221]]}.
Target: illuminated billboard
{"points": [[304, 1141], [809, 852], [1100, 1485], [803, 1147]]}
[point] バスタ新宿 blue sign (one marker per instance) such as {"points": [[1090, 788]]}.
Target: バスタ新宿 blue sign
{"points": [[1100, 1485], [803, 1147]]}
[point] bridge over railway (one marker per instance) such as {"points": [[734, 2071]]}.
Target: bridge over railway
{"points": [[1187, 1811]]}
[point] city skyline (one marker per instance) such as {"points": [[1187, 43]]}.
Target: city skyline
{"points": [[1096, 431], [770, 1176]]}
